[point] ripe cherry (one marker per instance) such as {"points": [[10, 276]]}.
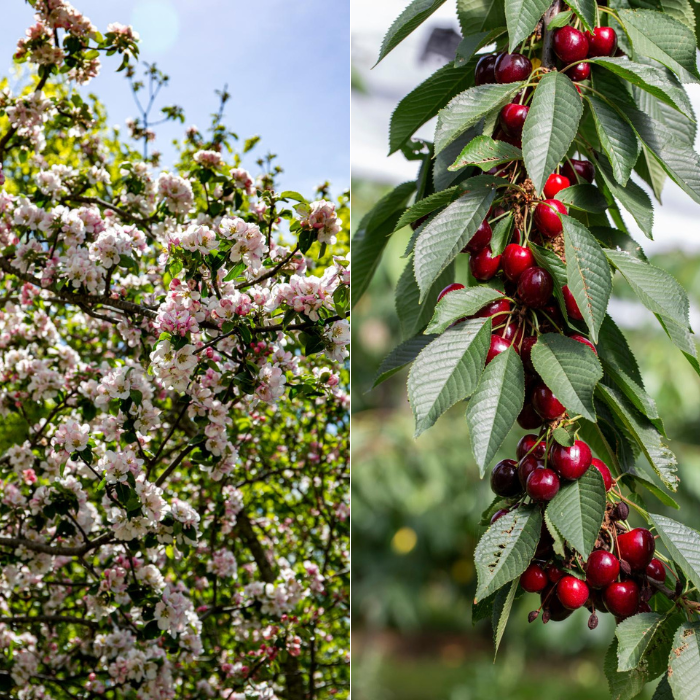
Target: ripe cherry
{"points": [[603, 42], [511, 332], [526, 445], [542, 485], [526, 353], [501, 135], [571, 305], [555, 184], [656, 571], [579, 72], [535, 287], [580, 339], [516, 259], [604, 472], [547, 217], [498, 345], [499, 514], [596, 598], [602, 568], [637, 547], [512, 118], [579, 171], [527, 465], [544, 546], [570, 45], [504, 479], [557, 612], [480, 239], [450, 288], [572, 592], [529, 419], [554, 574], [533, 579], [512, 68], [496, 309], [546, 403], [644, 608], [570, 462], [622, 598], [484, 72], [484, 265]]}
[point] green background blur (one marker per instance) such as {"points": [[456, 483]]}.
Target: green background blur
{"points": [[416, 505]]}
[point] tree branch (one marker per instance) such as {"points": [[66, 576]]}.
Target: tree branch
{"points": [[548, 57], [50, 619], [56, 550]]}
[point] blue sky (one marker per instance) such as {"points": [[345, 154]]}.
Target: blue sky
{"points": [[286, 63]]}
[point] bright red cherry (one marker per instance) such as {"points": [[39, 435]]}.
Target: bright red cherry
{"points": [[480, 239], [512, 118], [526, 466], [542, 485], [547, 217], [656, 571], [533, 579], [580, 339], [526, 445], [516, 259], [570, 45], [529, 419], [622, 598], [570, 462], [637, 548], [512, 68], [579, 72], [546, 403], [579, 171], [603, 42], [484, 72], [602, 568], [498, 345], [604, 472], [535, 287], [504, 479], [572, 592], [554, 574], [450, 288], [571, 305], [497, 309], [555, 184], [484, 265], [499, 514]]}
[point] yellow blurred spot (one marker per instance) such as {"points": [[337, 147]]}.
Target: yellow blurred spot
{"points": [[463, 571], [452, 655], [536, 63], [587, 673], [404, 540]]}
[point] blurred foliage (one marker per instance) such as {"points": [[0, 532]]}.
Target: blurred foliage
{"points": [[416, 511]]}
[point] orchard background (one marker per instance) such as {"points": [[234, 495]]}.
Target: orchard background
{"points": [[414, 612], [173, 410]]}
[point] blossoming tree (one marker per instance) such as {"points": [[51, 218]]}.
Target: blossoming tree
{"points": [[173, 478]]}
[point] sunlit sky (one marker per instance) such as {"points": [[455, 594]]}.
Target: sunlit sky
{"points": [[285, 63]]}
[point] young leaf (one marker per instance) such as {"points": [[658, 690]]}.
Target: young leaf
{"points": [[584, 197], [485, 153], [447, 371], [495, 406], [459, 304], [401, 356], [684, 662], [560, 20], [633, 637], [502, 605], [682, 543], [522, 17]]}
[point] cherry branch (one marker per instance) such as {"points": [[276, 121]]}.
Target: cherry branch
{"points": [[51, 620], [57, 550]]}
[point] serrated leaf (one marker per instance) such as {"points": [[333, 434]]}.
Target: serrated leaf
{"points": [[682, 339], [459, 304], [560, 20], [614, 238], [633, 637], [558, 543], [483, 609], [663, 690], [682, 543], [485, 153], [502, 606], [442, 177], [588, 274], [401, 356], [468, 108], [614, 349], [480, 15], [584, 197], [501, 233], [563, 437], [472, 43], [550, 126], [447, 371], [506, 549], [684, 662], [662, 496], [577, 511], [410, 19], [495, 406], [522, 17], [625, 685], [429, 204], [586, 11], [634, 392]]}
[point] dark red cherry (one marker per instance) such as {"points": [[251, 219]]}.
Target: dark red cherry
{"points": [[526, 445], [529, 419], [547, 217], [526, 466], [501, 135], [572, 592], [497, 309], [526, 352], [571, 305], [480, 239], [582, 171], [546, 404], [511, 332], [554, 574], [637, 548], [603, 42], [544, 546], [602, 568], [604, 472], [504, 479], [512, 68], [450, 288], [499, 514], [644, 608], [533, 579], [484, 265], [512, 119], [555, 184], [557, 612], [656, 571], [585, 341], [596, 599], [535, 287], [516, 259], [570, 45], [622, 598], [579, 72], [542, 485], [570, 462], [484, 72], [498, 345]]}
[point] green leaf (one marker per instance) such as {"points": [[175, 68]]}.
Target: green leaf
{"points": [[586, 11], [642, 480], [663, 690], [588, 274], [495, 406], [614, 238], [634, 392], [625, 685], [485, 153], [614, 350], [560, 20], [584, 197], [577, 511], [558, 545], [409, 20], [506, 549], [502, 605], [633, 637], [442, 176], [460, 303], [447, 234], [472, 43], [522, 17], [682, 339], [682, 543], [483, 609], [401, 356], [447, 371], [480, 15], [501, 234], [684, 662], [468, 108], [428, 205], [550, 126], [563, 437]]}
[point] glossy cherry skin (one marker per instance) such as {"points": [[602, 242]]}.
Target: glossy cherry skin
{"points": [[579, 72], [497, 309], [535, 287], [637, 548], [547, 217], [542, 485], [484, 265], [572, 592], [512, 118], [622, 598], [512, 68], [533, 579], [526, 352], [484, 72], [511, 332], [570, 45], [480, 239], [555, 184], [604, 472], [526, 445], [529, 419], [516, 259], [571, 305], [526, 466], [602, 568], [557, 612], [450, 288], [499, 514], [585, 341], [656, 571], [546, 404], [554, 574], [498, 345], [603, 42], [570, 462], [582, 171], [504, 479]]}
